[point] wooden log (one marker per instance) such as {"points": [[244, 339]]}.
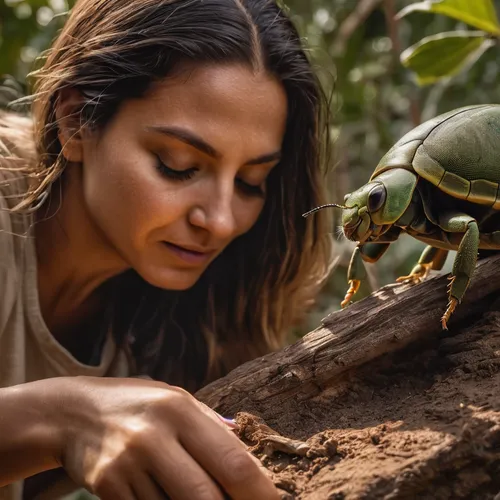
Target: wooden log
{"points": [[387, 320]]}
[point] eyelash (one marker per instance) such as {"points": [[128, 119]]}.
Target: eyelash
{"points": [[185, 175], [179, 175]]}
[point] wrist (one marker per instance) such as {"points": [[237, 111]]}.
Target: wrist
{"points": [[42, 434], [30, 431]]}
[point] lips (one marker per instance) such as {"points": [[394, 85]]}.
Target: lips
{"points": [[189, 254]]}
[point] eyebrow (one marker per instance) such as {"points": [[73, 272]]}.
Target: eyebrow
{"points": [[198, 143]]}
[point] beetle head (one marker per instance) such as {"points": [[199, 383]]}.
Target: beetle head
{"points": [[371, 210]]}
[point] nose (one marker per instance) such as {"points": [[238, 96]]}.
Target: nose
{"points": [[214, 212]]}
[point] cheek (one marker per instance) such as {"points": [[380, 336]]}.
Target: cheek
{"points": [[126, 199]]}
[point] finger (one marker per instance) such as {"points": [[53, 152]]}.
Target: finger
{"points": [[111, 490], [231, 425], [180, 476], [146, 488], [225, 458], [216, 416]]}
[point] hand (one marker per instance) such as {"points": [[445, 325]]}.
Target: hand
{"points": [[136, 439]]}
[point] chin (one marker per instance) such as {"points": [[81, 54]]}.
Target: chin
{"points": [[171, 279]]}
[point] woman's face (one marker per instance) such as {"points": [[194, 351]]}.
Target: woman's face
{"points": [[179, 174]]}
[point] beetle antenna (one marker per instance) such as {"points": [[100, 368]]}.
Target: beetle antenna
{"points": [[323, 206]]}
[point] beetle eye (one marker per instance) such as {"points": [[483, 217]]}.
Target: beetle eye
{"points": [[376, 198]]}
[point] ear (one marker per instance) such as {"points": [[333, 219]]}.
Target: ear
{"points": [[67, 109]]}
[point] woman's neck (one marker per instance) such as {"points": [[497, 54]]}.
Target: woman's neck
{"points": [[74, 260]]}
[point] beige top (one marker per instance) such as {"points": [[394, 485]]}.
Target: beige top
{"points": [[28, 351]]}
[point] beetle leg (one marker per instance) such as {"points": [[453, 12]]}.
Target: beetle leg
{"points": [[432, 258], [355, 273], [465, 260], [369, 252]]}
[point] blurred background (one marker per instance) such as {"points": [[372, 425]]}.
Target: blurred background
{"points": [[356, 46]]}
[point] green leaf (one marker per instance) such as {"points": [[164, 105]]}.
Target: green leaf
{"points": [[444, 55], [478, 13]]}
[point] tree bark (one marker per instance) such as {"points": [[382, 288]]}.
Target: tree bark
{"points": [[386, 321]]}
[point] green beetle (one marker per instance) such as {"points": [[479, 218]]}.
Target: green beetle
{"points": [[440, 183]]}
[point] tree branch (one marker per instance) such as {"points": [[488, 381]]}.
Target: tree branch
{"points": [[357, 17], [387, 320]]}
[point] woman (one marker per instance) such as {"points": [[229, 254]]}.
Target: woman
{"points": [[153, 228]]}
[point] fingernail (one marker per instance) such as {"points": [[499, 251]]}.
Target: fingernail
{"points": [[228, 421]]}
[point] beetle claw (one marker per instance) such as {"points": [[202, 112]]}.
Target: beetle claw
{"points": [[353, 288], [416, 276], [411, 278], [452, 304]]}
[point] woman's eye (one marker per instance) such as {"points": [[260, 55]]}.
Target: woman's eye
{"points": [[250, 189], [179, 175], [184, 175]]}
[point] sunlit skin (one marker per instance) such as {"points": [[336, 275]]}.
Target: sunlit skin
{"points": [[219, 128]]}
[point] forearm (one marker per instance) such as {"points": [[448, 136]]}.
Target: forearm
{"points": [[29, 434]]}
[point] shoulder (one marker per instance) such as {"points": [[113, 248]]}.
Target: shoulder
{"points": [[16, 138], [16, 155], [17, 161], [9, 263]]}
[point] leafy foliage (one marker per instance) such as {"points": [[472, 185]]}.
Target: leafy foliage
{"points": [[480, 13], [445, 54], [26, 29]]}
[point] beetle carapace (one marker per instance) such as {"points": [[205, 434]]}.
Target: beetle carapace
{"points": [[440, 183]]}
